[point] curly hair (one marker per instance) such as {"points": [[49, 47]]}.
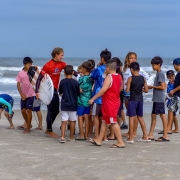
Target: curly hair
{"points": [[126, 61]]}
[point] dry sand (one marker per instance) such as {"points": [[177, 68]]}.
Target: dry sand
{"points": [[35, 156]]}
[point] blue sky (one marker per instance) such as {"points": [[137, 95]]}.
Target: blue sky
{"points": [[84, 27]]}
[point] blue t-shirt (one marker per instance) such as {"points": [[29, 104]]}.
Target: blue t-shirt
{"points": [[98, 76], [169, 88]]}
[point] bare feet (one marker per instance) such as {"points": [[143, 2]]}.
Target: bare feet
{"points": [[127, 135], [39, 128], [26, 131], [10, 127], [52, 134], [175, 131]]}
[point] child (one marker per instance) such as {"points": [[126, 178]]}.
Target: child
{"points": [[121, 114], [131, 57], [135, 85], [110, 104], [83, 109], [158, 99], [6, 103], [175, 93], [170, 76], [26, 92], [98, 76], [69, 90]]}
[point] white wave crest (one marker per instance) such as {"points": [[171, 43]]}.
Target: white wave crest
{"points": [[8, 80], [10, 68]]}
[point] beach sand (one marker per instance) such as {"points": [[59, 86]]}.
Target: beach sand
{"points": [[36, 156]]}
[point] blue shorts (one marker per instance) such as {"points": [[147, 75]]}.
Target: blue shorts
{"points": [[158, 108], [135, 108], [5, 107], [83, 110], [28, 104]]}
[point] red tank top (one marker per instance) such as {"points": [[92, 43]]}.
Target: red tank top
{"points": [[111, 98], [54, 69]]}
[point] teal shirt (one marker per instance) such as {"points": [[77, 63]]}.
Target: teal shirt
{"points": [[85, 84]]}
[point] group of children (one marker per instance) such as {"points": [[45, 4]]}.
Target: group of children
{"points": [[96, 96]]}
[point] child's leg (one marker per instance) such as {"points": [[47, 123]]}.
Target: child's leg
{"points": [[24, 114], [39, 115], [63, 129], [10, 121], [143, 127], [80, 124], [164, 122], [86, 117], [135, 126], [102, 132], [90, 132], [29, 119], [117, 132], [96, 126], [176, 130], [170, 121], [153, 124], [72, 129], [131, 127]]}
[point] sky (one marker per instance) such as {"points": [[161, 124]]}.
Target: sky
{"points": [[85, 27]]}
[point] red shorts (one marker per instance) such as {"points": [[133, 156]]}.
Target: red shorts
{"points": [[109, 120]]}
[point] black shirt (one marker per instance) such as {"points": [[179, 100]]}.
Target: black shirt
{"points": [[137, 84], [69, 88], [177, 83]]}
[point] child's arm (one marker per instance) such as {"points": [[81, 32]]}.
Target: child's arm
{"points": [[145, 89], [4, 102], [106, 85], [23, 97], [174, 90], [128, 84], [161, 87]]}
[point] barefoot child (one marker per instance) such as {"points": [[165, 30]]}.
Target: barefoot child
{"points": [[83, 109], [175, 94], [6, 103], [171, 76], [135, 85], [110, 104], [26, 92], [69, 90], [158, 99]]}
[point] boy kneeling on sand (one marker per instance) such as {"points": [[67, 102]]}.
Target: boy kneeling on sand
{"points": [[110, 104]]}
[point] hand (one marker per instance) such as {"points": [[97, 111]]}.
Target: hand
{"points": [[171, 93], [91, 101], [150, 87], [37, 95], [81, 90], [23, 97]]}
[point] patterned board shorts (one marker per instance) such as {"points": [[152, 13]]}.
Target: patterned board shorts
{"points": [[174, 104]]}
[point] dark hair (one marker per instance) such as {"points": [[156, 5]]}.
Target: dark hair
{"points": [[27, 60], [68, 70], [157, 60], [135, 66], [92, 62], [105, 54], [111, 64], [87, 65], [119, 64], [56, 50]]}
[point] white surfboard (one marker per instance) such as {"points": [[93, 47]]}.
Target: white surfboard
{"points": [[46, 88], [150, 81]]}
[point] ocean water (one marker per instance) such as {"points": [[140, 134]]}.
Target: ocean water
{"points": [[9, 68]]}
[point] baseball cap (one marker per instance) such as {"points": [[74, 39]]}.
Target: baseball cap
{"points": [[176, 61], [170, 72]]}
